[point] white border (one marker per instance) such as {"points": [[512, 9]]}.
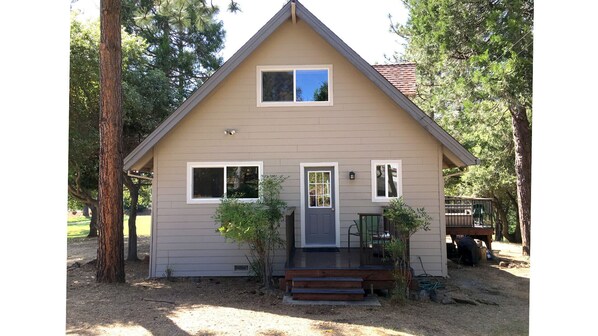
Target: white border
{"points": [[375, 163], [337, 218], [191, 165], [261, 68]]}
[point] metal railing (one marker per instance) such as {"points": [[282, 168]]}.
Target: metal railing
{"points": [[468, 212]]}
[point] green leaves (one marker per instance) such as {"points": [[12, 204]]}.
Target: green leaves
{"points": [[255, 223]]}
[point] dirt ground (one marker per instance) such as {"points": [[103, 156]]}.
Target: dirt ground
{"points": [[492, 299]]}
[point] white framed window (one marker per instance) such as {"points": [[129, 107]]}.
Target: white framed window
{"points": [[386, 180], [299, 85], [208, 182]]}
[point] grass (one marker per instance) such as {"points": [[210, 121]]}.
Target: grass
{"points": [[78, 227]]}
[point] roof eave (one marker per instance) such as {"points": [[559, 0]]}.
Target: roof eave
{"points": [[206, 88], [399, 98]]}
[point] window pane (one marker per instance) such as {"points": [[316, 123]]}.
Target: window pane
{"points": [[312, 85], [277, 86], [380, 181], [208, 182], [242, 182], [392, 180]]}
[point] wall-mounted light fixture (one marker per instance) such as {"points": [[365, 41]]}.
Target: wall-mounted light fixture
{"points": [[230, 131], [351, 175]]}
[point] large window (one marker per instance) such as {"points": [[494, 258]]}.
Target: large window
{"points": [[209, 182], [298, 85], [386, 180]]}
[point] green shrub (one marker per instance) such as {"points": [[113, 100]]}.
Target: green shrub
{"points": [[256, 224], [405, 221]]}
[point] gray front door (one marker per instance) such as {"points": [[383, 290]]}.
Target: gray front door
{"points": [[319, 206]]}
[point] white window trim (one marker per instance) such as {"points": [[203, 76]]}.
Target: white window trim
{"points": [[262, 68], [330, 194], [375, 197], [216, 200], [337, 205]]}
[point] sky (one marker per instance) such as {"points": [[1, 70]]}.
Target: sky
{"points": [[364, 28]]}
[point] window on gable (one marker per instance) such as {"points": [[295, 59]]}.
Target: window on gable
{"points": [[386, 180], [283, 86], [209, 182]]}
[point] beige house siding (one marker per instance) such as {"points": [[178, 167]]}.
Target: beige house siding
{"points": [[362, 125]]}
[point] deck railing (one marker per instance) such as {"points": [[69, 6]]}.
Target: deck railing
{"points": [[374, 233], [289, 218], [468, 212]]}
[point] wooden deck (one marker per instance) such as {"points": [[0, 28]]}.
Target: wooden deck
{"points": [[336, 263]]}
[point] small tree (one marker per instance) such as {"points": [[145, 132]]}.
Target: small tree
{"points": [[256, 224], [404, 221]]}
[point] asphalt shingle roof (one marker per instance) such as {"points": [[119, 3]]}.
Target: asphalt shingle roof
{"points": [[401, 75]]}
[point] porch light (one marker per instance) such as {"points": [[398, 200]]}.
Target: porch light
{"points": [[351, 175], [230, 131]]}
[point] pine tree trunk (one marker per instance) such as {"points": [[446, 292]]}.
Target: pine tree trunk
{"points": [[502, 215], [110, 264], [134, 193], [522, 138]]}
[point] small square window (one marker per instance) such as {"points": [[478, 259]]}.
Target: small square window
{"points": [[386, 180]]}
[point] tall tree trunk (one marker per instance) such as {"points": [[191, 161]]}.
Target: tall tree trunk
{"points": [[522, 138], [134, 193], [110, 265], [502, 215], [93, 223], [498, 224]]}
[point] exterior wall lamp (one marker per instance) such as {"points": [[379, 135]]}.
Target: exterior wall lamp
{"points": [[230, 131], [351, 175]]}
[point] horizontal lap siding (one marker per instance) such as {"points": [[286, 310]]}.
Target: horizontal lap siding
{"points": [[362, 125]]}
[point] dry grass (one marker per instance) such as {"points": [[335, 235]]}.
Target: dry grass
{"points": [[236, 306]]}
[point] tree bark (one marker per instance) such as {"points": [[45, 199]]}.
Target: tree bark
{"points": [[110, 263], [522, 138], [134, 193], [502, 215]]}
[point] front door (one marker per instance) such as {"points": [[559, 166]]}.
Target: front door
{"points": [[319, 206]]}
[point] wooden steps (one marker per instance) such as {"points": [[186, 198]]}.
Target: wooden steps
{"points": [[327, 288]]}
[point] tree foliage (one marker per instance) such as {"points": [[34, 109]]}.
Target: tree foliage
{"points": [[256, 224], [183, 38], [474, 62]]}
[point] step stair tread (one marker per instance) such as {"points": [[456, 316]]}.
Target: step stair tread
{"points": [[337, 279], [327, 291]]}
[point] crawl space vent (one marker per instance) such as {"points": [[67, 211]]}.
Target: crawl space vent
{"points": [[241, 267]]}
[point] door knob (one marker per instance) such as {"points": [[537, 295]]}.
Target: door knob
{"points": [[332, 209]]}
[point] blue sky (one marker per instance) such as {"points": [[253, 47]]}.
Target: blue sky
{"points": [[364, 26]]}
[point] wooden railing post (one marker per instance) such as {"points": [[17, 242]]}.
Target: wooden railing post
{"points": [[290, 234]]}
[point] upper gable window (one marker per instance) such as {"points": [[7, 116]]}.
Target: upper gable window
{"points": [[294, 85]]}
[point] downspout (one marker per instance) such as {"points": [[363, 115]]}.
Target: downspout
{"points": [[293, 16]]}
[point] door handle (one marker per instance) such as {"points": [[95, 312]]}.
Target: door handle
{"points": [[332, 209]]}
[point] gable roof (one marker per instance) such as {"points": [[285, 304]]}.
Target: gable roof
{"points": [[401, 75], [457, 156]]}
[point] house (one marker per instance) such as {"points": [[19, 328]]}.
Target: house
{"points": [[295, 100]]}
